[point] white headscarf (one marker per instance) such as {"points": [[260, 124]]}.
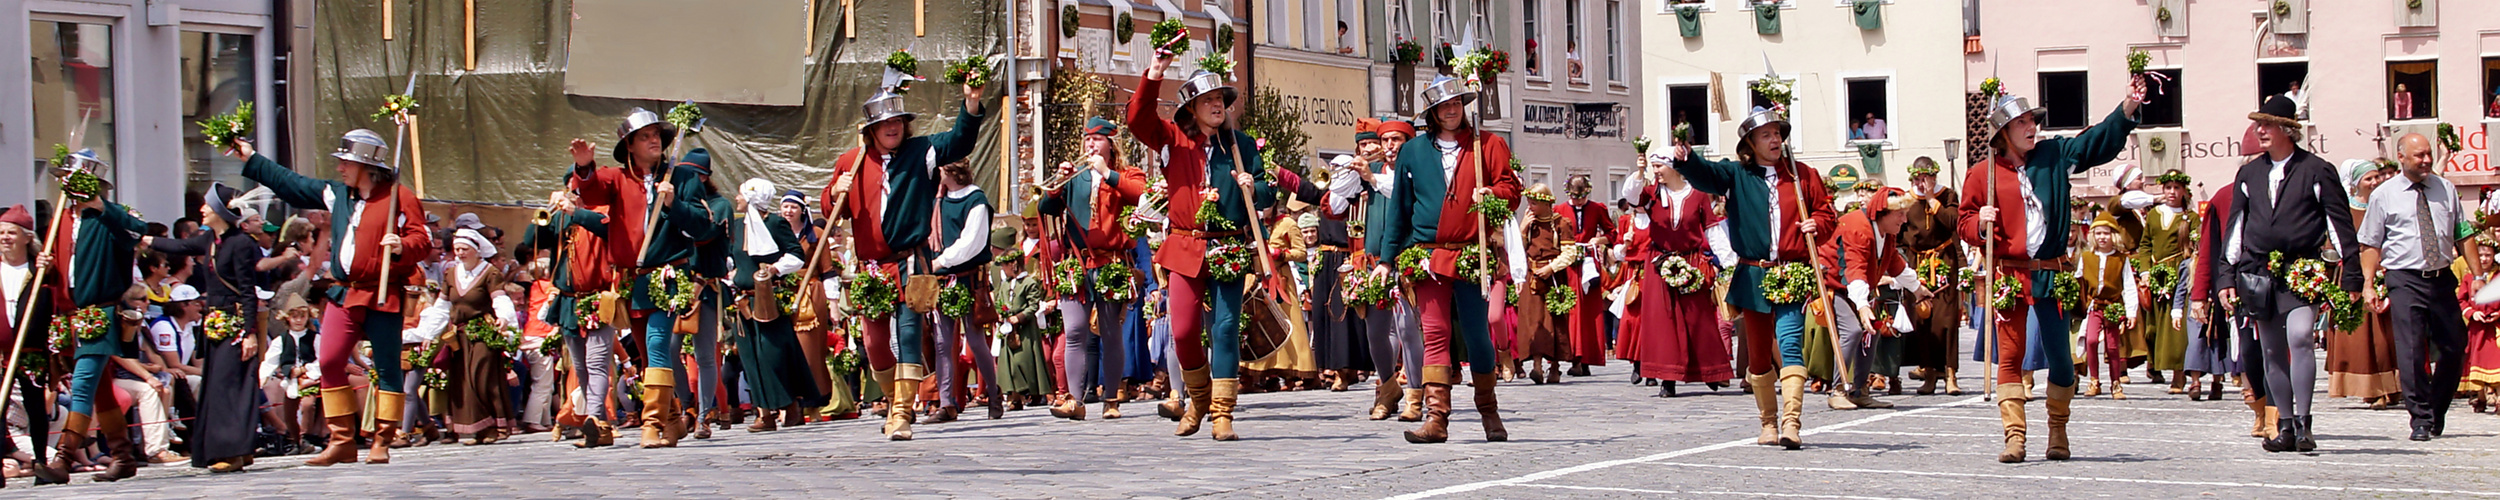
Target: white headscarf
{"points": [[759, 193], [470, 237]]}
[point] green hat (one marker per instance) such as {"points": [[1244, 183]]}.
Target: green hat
{"points": [[1098, 126], [1003, 242]]}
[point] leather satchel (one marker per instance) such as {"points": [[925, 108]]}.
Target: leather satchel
{"points": [[920, 292]]}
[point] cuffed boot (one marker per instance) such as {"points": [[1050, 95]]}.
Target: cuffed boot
{"points": [[73, 439], [659, 409], [1220, 408], [1792, 406], [1436, 415], [1489, 408], [1384, 401], [1953, 381], [2060, 407], [116, 430], [898, 421], [385, 424], [1200, 390], [2010, 399], [1413, 410], [338, 412], [1768, 401], [2262, 426]]}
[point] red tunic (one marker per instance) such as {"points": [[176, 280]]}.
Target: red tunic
{"points": [[1679, 339]]}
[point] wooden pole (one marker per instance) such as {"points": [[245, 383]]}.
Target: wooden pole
{"points": [[416, 154], [28, 295], [808, 10], [468, 35], [850, 18], [1840, 360], [1987, 270], [919, 17], [387, 7]]}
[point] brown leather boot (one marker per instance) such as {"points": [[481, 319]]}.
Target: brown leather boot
{"points": [[1792, 406], [73, 439], [2263, 427], [1111, 402], [659, 409], [1072, 408], [1767, 401], [116, 430], [1201, 390], [1436, 427], [2059, 409], [2010, 399], [338, 413], [1414, 406], [1488, 408], [387, 406], [1220, 408], [1384, 401]]}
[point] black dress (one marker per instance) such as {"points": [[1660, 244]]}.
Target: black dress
{"points": [[229, 390]]}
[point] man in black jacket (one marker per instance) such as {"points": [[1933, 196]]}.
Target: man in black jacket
{"points": [[2287, 202]]}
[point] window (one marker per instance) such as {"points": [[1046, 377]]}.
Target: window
{"points": [[1482, 15], [1349, 42], [1614, 40], [1870, 109], [1572, 58], [2491, 80], [1443, 30], [1400, 25], [1531, 58], [1689, 106], [2063, 94], [73, 88], [1279, 28], [2285, 79], [217, 77], [2167, 109], [2413, 90], [1316, 30]]}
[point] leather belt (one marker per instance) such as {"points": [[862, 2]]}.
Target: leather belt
{"points": [[1765, 264], [2427, 273], [1206, 235], [1443, 245]]}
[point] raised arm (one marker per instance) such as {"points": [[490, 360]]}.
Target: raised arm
{"points": [[2101, 143], [303, 193]]}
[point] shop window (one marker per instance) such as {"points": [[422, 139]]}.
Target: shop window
{"points": [[217, 77], [2288, 79], [1870, 109], [2412, 90], [1689, 106], [2063, 93], [73, 89], [2167, 109], [1532, 59]]}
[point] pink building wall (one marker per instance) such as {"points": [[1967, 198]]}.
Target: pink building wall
{"points": [[2348, 46]]}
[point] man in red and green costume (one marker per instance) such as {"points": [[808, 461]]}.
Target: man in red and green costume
{"points": [[1441, 179]]}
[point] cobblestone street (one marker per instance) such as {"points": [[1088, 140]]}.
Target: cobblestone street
{"points": [[1592, 436]]}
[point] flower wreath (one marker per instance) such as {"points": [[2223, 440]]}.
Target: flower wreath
{"points": [[221, 327], [1788, 283], [1681, 276], [1229, 259]]}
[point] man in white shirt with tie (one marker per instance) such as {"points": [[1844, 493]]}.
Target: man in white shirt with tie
{"points": [[2411, 232]]}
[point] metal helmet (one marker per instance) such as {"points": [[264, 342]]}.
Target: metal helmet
{"points": [[364, 146], [887, 105], [635, 121], [1202, 82], [2007, 108], [85, 161], [1444, 89], [1764, 117]]}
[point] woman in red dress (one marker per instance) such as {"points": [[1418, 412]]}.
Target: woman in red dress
{"points": [[2482, 335], [1630, 253], [1680, 339]]}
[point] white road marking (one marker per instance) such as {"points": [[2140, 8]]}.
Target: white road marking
{"points": [[1540, 476], [2096, 422], [2304, 487], [2250, 442], [1674, 492]]}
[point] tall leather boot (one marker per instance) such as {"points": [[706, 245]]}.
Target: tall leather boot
{"points": [[385, 424], [1414, 406], [659, 408], [338, 413], [1200, 390], [1220, 408], [2010, 399], [1768, 401], [116, 430], [73, 439], [1792, 406], [898, 422], [1489, 409], [1384, 401], [2060, 407], [2260, 427], [1436, 415]]}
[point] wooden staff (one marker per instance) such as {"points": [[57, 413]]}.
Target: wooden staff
{"points": [[1814, 260], [416, 153], [824, 242], [1987, 271], [28, 295]]}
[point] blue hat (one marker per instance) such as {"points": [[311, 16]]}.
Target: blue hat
{"points": [[699, 158], [1098, 126]]}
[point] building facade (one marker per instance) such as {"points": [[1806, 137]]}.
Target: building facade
{"points": [[129, 79], [1575, 87], [1873, 85], [2394, 66], [1311, 53]]}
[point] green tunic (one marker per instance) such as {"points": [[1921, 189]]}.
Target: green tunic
{"points": [[2166, 241], [560, 307], [775, 366], [107, 244], [1027, 367]]}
